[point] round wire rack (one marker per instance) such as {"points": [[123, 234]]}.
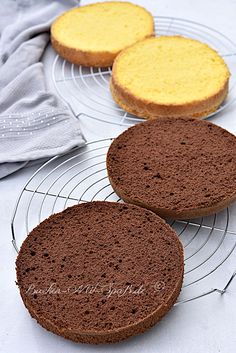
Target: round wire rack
{"points": [[88, 88], [80, 176]]}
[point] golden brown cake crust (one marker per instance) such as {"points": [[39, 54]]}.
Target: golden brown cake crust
{"points": [[143, 108], [151, 110], [89, 57], [122, 243], [180, 169], [85, 58]]}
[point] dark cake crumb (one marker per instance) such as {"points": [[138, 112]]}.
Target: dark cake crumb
{"points": [[123, 246], [178, 168]]}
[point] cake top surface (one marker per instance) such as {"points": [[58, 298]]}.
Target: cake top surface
{"points": [[170, 70], [105, 26], [98, 254], [174, 164]]}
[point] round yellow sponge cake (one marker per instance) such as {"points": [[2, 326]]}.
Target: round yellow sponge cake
{"points": [[93, 35], [169, 76]]}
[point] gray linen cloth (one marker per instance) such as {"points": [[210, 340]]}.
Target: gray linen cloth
{"points": [[34, 123]]}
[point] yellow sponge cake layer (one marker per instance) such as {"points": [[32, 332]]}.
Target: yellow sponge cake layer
{"points": [[93, 35], [169, 76]]}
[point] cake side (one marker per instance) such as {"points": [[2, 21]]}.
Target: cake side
{"points": [[144, 109]]}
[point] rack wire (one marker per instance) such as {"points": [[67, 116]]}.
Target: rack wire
{"points": [[88, 88], [81, 176]]}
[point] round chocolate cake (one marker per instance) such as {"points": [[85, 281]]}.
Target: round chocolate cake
{"points": [[100, 272], [178, 168]]}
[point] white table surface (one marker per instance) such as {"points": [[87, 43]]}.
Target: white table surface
{"points": [[204, 325]]}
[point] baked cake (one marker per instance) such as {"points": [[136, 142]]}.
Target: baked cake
{"points": [[169, 76], [179, 168], [100, 272], [93, 35]]}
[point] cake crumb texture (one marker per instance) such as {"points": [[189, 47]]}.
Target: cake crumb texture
{"points": [[181, 168], [169, 76], [113, 245], [93, 35]]}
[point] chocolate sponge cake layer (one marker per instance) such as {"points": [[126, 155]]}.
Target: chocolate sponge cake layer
{"points": [[181, 168], [100, 272]]}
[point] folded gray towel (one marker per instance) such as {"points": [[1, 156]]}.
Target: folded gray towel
{"points": [[34, 123]]}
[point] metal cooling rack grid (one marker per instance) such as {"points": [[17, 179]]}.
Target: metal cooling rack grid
{"points": [[80, 176], [88, 88]]}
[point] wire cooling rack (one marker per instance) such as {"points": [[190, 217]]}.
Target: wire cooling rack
{"points": [[88, 88], [81, 176]]}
